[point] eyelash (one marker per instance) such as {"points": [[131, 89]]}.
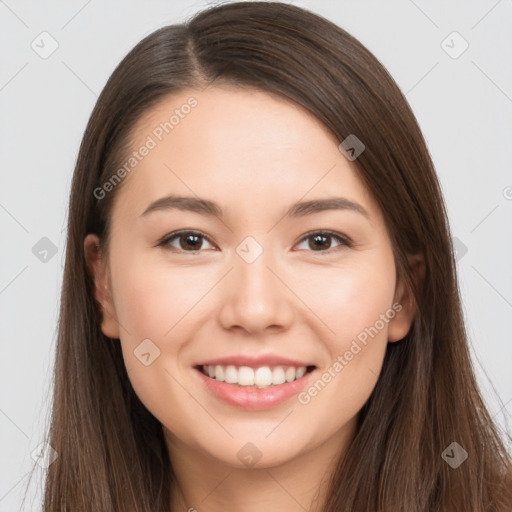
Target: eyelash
{"points": [[344, 240]]}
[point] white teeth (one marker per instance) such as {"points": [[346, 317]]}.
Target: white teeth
{"points": [[261, 377], [300, 372], [278, 375], [231, 375], [245, 376], [290, 374], [219, 372]]}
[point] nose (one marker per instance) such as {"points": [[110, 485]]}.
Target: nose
{"points": [[255, 296]]}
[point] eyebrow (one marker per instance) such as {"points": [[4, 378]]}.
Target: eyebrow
{"points": [[212, 209]]}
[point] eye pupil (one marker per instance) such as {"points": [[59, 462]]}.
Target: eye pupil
{"points": [[189, 236], [318, 240]]}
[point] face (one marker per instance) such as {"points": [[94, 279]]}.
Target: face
{"points": [[254, 281]]}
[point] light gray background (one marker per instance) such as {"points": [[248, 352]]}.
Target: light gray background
{"points": [[464, 107]]}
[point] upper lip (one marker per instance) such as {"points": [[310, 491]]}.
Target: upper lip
{"points": [[254, 362]]}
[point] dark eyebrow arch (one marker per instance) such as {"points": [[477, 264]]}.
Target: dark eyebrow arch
{"points": [[210, 208]]}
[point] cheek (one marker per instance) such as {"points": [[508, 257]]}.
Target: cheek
{"points": [[156, 303], [153, 300], [346, 301], [356, 305]]}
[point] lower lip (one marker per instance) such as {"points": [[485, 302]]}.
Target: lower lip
{"points": [[252, 398]]}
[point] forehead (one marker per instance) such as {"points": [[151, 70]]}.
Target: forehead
{"points": [[236, 145], [239, 119]]}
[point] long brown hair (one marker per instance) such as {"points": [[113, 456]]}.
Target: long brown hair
{"points": [[111, 450]]}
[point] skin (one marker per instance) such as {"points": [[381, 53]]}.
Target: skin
{"points": [[255, 154]]}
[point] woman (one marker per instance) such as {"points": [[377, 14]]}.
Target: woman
{"points": [[260, 306]]}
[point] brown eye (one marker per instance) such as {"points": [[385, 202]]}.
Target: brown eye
{"points": [[321, 241], [188, 241], [192, 241]]}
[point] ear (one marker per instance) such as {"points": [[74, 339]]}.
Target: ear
{"points": [[400, 324], [97, 268]]}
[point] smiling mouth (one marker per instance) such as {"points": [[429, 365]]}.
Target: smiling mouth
{"points": [[260, 377]]}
